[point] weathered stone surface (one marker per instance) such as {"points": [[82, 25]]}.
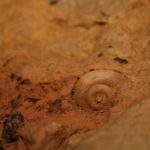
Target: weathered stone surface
{"points": [[130, 131], [47, 45]]}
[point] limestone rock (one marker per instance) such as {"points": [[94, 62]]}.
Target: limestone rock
{"points": [[130, 131]]}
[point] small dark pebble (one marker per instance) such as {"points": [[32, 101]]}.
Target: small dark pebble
{"points": [[11, 123], [109, 46], [120, 60], [78, 78], [12, 76], [10, 132], [100, 54], [53, 2], [25, 81], [101, 23], [73, 92], [19, 96], [91, 69], [30, 99]]}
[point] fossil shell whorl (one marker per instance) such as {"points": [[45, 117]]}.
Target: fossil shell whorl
{"points": [[98, 89]]}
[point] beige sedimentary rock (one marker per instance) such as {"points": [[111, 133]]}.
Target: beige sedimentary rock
{"points": [[129, 132]]}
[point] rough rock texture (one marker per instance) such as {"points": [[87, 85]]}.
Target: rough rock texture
{"points": [[130, 131], [47, 45]]}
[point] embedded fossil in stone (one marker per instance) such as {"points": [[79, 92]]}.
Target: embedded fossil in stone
{"points": [[99, 89]]}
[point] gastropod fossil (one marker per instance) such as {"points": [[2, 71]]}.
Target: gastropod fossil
{"points": [[98, 89]]}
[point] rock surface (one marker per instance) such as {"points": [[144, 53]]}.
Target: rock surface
{"points": [[47, 45], [130, 131]]}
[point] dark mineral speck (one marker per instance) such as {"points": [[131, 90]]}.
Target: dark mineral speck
{"points": [[120, 60]]}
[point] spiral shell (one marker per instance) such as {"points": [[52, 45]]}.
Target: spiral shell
{"points": [[98, 89]]}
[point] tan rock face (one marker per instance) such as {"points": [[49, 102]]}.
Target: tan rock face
{"points": [[47, 46], [130, 131]]}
